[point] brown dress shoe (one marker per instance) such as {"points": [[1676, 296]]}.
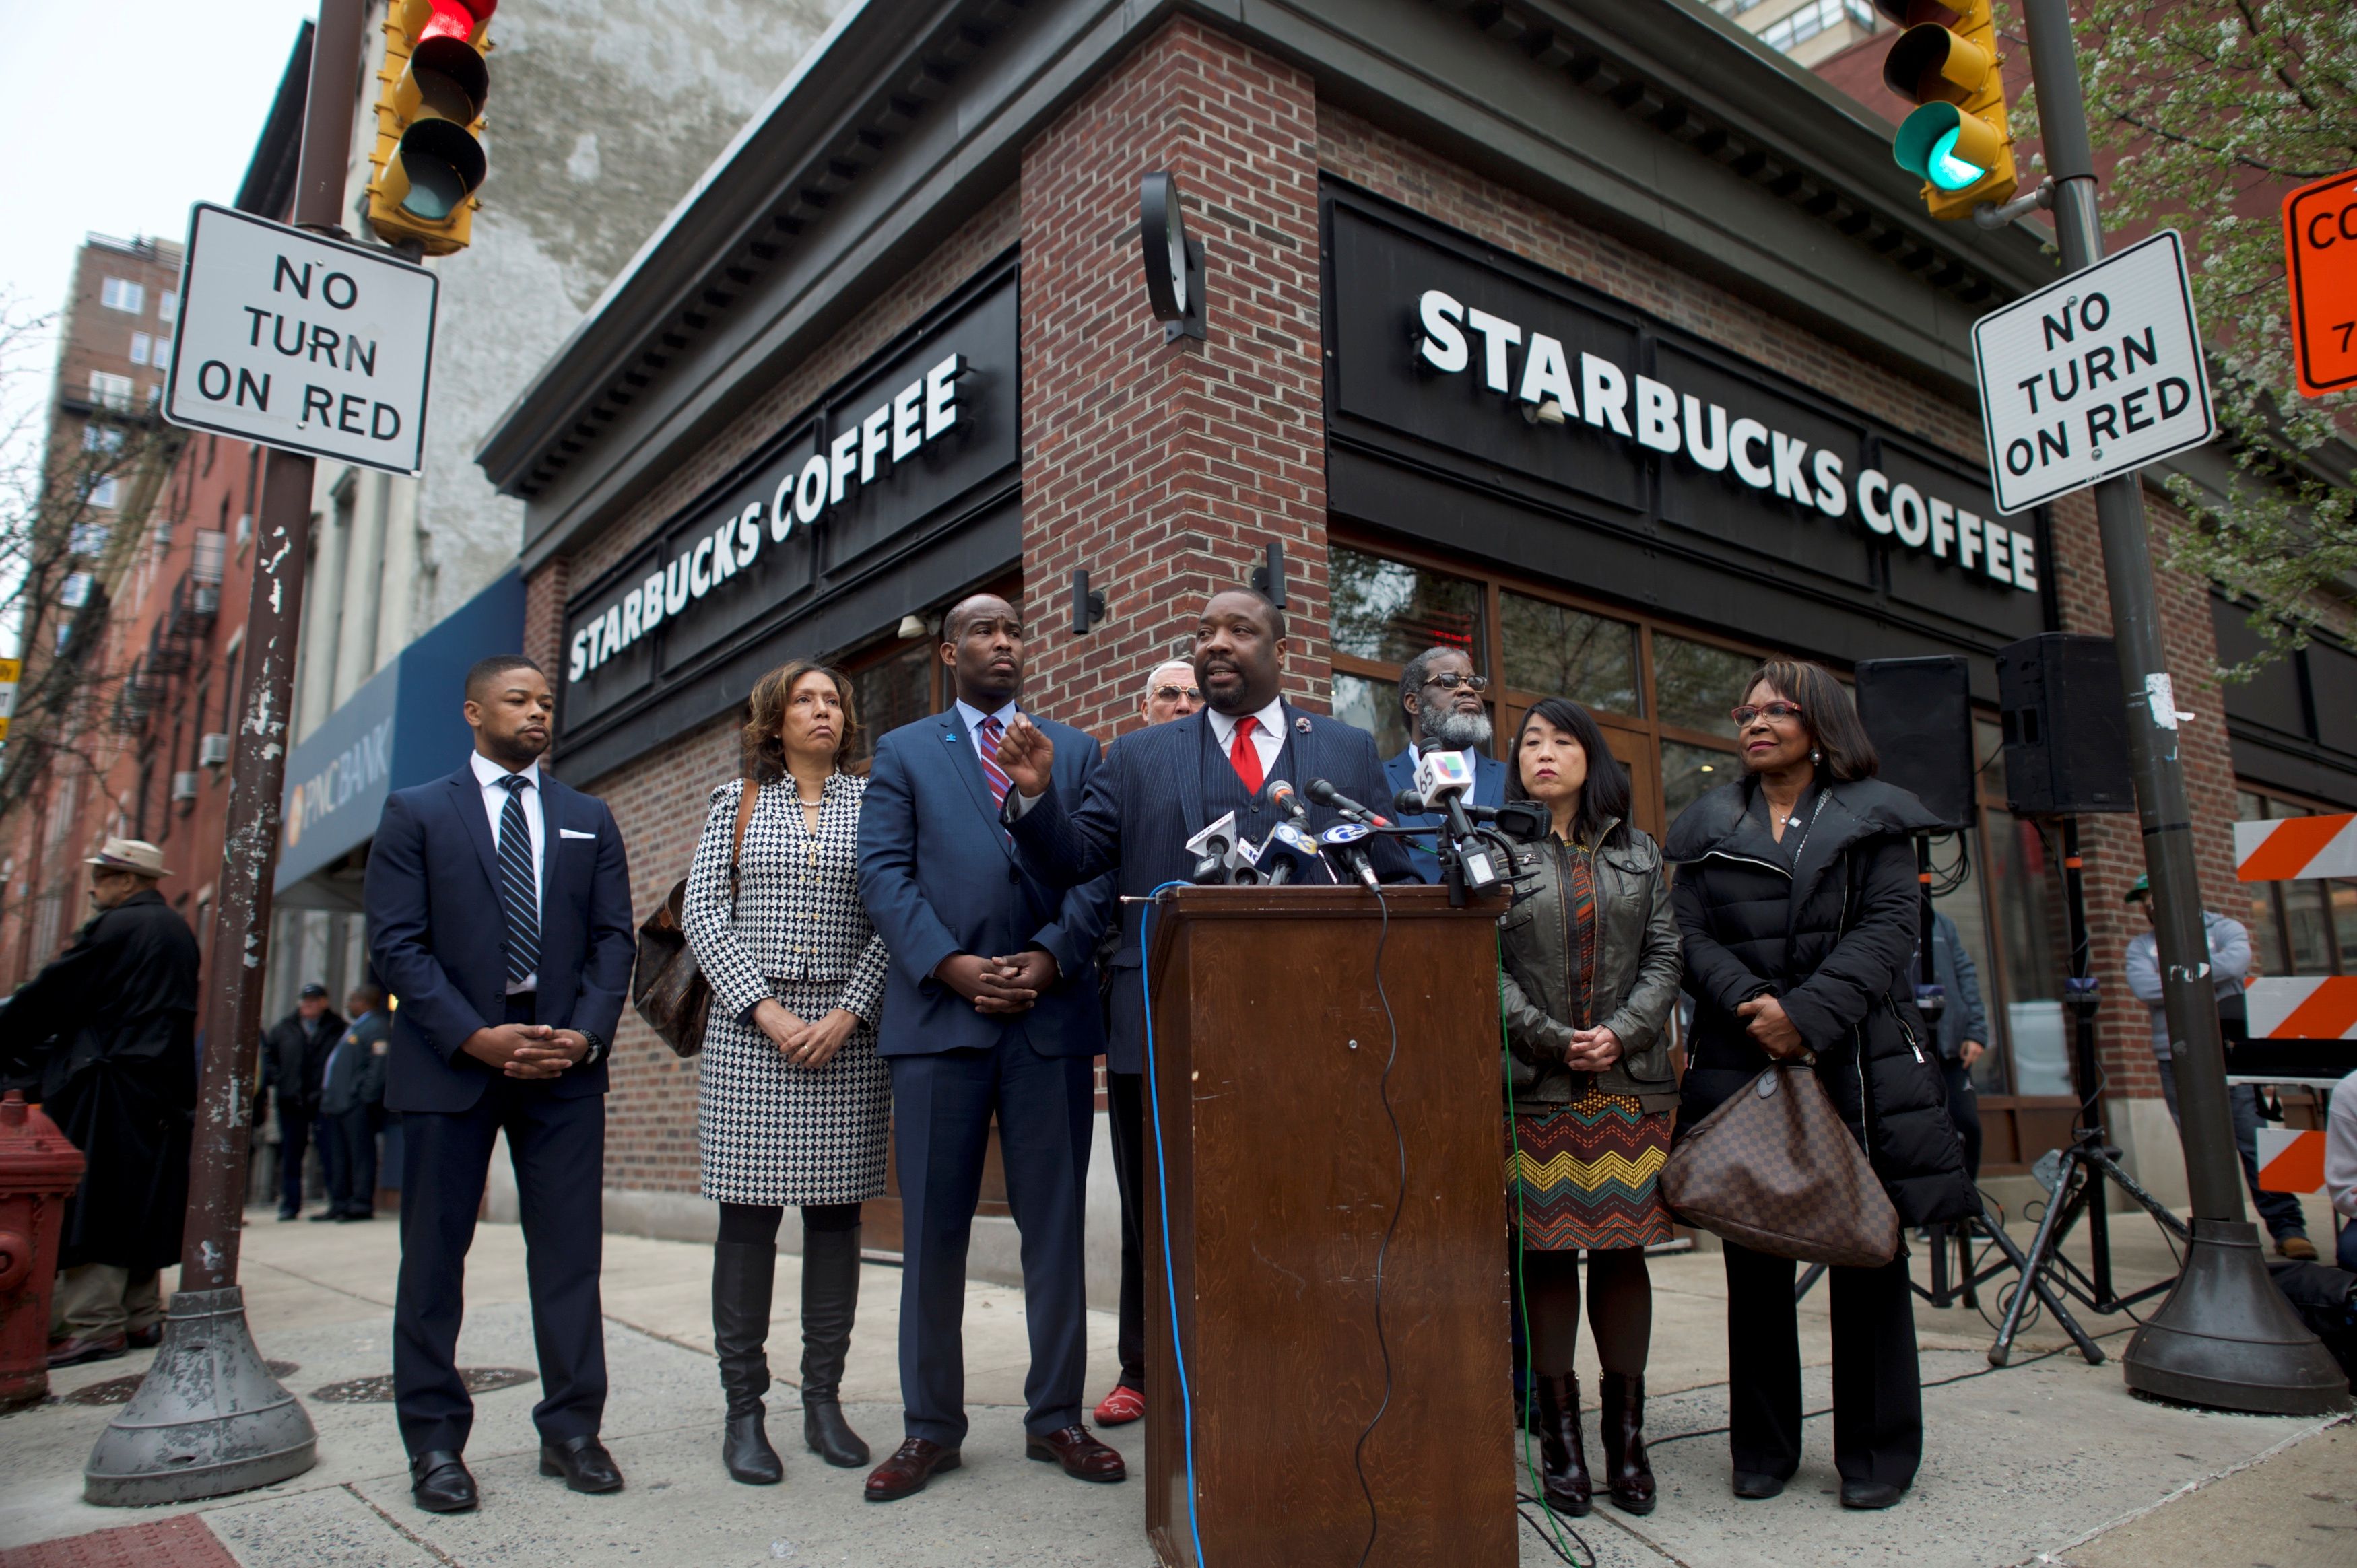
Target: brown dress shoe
{"points": [[1081, 1455], [74, 1350], [915, 1462]]}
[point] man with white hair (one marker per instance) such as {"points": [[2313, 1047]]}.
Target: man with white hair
{"points": [[105, 1037], [1170, 693]]}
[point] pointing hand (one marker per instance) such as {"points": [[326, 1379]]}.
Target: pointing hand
{"points": [[1025, 756]]}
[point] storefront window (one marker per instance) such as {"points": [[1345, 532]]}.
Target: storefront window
{"points": [[1689, 772], [1552, 650], [894, 690], [1374, 705], [2026, 888], [1694, 684], [1392, 611]]}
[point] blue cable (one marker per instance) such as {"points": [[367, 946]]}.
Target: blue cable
{"points": [[1162, 1191]]}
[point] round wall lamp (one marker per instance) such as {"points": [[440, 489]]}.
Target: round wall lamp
{"points": [[1174, 264]]}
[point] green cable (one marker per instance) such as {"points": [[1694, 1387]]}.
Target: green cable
{"points": [[1521, 1297]]}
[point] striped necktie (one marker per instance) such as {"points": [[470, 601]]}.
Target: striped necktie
{"points": [[999, 782], [518, 889]]}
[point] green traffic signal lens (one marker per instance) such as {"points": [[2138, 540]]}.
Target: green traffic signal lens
{"points": [[1949, 172]]}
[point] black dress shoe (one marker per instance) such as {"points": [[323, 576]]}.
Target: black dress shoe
{"points": [[916, 1461], [583, 1462], [1752, 1485], [1870, 1495], [439, 1482]]}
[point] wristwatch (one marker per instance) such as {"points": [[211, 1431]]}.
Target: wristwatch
{"points": [[597, 1051]]}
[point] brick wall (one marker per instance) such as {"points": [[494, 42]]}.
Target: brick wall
{"points": [[1164, 469], [544, 616]]}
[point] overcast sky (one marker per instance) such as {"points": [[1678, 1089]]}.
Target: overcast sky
{"points": [[119, 114]]}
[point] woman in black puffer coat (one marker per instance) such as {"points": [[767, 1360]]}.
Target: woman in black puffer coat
{"points": [[1797, 901]]}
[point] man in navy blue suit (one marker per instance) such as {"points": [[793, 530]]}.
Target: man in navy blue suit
{"points": [[1160, 787], [1442, 698], [498, 909], [990, 1007]]}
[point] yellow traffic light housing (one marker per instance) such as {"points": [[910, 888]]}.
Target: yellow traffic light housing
{"points": [[1956, 141], [429, 157]]}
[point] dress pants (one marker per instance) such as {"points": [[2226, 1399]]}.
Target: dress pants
{"points": [[942, 1109], [1877, 1389], [294, 1137], [558, 1147], [354, 1171], [99, 1301], [1132, 1142]]}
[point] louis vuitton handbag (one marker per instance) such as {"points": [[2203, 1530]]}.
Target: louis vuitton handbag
{"points": [[667, 986], [1774, 1169]]}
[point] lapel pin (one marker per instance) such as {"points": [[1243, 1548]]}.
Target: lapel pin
{"points": [[1302, 724]]}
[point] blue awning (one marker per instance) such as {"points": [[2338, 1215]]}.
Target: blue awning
{"points": [[404, 726]]}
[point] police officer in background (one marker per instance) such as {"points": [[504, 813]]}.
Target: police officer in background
{"points": [[294, 1057]]}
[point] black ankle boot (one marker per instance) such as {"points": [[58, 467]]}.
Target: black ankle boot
{"points": [[743, 1274], [830, 1301], [1626, 1469], [1562, 1461]]}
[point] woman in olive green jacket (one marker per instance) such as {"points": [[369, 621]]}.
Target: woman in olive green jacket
{"points": [[1590, 974]]}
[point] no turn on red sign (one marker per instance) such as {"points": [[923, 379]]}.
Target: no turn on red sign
{"points": [[2320, 268], [301, 342], [2094, 375]]}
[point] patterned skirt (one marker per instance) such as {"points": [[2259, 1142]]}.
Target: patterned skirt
{"points": [[1585, 1175], [773, 1131]]}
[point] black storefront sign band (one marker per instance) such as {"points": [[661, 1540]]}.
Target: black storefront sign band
{"points": [[1694, 476], [854, 493]]}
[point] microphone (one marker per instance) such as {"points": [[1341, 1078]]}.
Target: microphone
{"points": [[1212, 848], [1522, 820], [1333, 800], [1341, 842], [1442, 779], [1287, 854], [1282, 795]]}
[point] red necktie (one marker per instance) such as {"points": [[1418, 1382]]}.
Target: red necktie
{"points": [[999, 782], [1245, 756]]}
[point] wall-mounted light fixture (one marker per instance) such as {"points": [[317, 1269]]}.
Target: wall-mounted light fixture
{"points": [[1269, 576], [1088, 608], [912, 627], [1174, 264]]}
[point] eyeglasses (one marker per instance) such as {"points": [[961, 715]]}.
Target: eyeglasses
{"points": [[1172, 693], [1451, 680], [1775, 713]]}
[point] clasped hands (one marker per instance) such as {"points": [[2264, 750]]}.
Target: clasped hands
{"points": [[1592, 1050], [527, 1051], [999, 986], [804, 1045], [1765, 1020]]}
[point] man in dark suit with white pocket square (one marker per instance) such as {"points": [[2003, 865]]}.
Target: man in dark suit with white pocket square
{"points": [[498, 909]]}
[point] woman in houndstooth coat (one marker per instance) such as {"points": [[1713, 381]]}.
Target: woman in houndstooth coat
{"points": [[794, 1103]]}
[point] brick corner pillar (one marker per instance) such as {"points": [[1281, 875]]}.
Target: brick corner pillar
{"points": [[1165, 470], [544, 618]]}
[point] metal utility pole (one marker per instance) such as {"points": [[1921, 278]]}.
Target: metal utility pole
{"points": [[209, 1418], [2224, 1337]]}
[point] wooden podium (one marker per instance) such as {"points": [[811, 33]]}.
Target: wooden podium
{"points": [[1269, 1048]]}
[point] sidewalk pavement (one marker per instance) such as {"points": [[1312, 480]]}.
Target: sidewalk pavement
{"points": [[2048, 1461]]}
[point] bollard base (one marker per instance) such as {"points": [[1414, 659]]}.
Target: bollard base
{"points": [[209, 1419], [2227, 1339]]}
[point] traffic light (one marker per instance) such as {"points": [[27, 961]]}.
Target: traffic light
{"points": [[1956, 141], [429, 123]]}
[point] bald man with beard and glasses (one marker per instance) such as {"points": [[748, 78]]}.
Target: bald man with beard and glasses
{"points": [[990, 1010], [1445, 711]]}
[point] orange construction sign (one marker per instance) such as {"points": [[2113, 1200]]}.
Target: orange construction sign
{"points": [[2320, 266], [2290, 1161]]}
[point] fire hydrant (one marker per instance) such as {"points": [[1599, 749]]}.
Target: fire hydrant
{"points": [[38, 1171]]}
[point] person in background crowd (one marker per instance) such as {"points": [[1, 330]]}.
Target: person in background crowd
{"points": [[2340, 1169], [1962, 1030], [2229, 964], [500, 892], [1590, 973], [351, 1105], [793, 1102], [1170, 693], [294, 1059], [104, 1038], [1442, 697], [1797, 899], [990, 1008]]}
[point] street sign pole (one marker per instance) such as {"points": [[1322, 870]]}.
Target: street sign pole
{"points": [[2224, 1337], [208, 1418]]}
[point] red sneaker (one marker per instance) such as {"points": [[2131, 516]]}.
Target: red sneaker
{"points": [[1121, 1407]]}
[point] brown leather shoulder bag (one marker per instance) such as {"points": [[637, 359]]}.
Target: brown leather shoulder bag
{"points": [[1774, 1169], [667, 986]]}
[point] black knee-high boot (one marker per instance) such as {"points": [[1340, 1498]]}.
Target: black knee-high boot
{"points": [[830, 1301], [744, 1275]]}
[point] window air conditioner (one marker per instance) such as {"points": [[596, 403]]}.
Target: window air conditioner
{"points": [[184, 787], [213, 750]]}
